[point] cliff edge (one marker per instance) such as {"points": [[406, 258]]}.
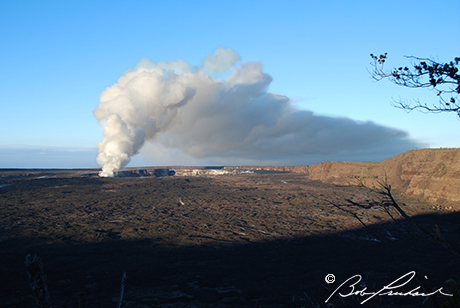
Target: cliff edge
{"points": [[432, 174]]}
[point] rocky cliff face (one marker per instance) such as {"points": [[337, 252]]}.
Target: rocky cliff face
{"points": [[432, 174], [199, 171], [172, 171], [296, 169]]}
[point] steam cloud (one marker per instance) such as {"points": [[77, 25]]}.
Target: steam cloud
{"points": [[181, 111]]}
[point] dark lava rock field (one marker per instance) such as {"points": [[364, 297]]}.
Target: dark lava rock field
{"points": [[264, 239]]}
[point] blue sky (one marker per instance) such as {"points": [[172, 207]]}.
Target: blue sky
{"points": [[57, 57]]}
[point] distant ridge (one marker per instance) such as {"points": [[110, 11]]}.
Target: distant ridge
{"points": [[431, 174]]}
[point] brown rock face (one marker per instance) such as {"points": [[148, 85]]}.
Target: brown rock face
{"points": [[432, 174]]}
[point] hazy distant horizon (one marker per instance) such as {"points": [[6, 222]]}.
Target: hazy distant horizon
{"points": [[138, 162]]}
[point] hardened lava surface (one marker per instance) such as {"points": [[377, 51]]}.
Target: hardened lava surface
{"points": [[265, 239]]}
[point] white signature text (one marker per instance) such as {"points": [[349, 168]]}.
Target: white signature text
{"points": [[388, 290]]}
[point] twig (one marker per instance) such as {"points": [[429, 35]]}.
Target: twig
{"points": [[122, 289], [420, 233], [37, 277], [82, 300]]}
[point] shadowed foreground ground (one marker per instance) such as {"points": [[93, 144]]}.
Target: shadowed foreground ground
{"points": [[241, 240]]}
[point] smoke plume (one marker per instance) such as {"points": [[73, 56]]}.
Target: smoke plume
{"points": [[180, 111]]}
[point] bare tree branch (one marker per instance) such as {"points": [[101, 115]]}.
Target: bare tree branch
{"points": [[416, 232], [442, 78]]}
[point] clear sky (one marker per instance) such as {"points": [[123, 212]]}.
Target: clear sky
{"points": [[57, 57]]}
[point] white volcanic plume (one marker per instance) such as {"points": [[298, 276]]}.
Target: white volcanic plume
{"points": [[177, 108]]}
